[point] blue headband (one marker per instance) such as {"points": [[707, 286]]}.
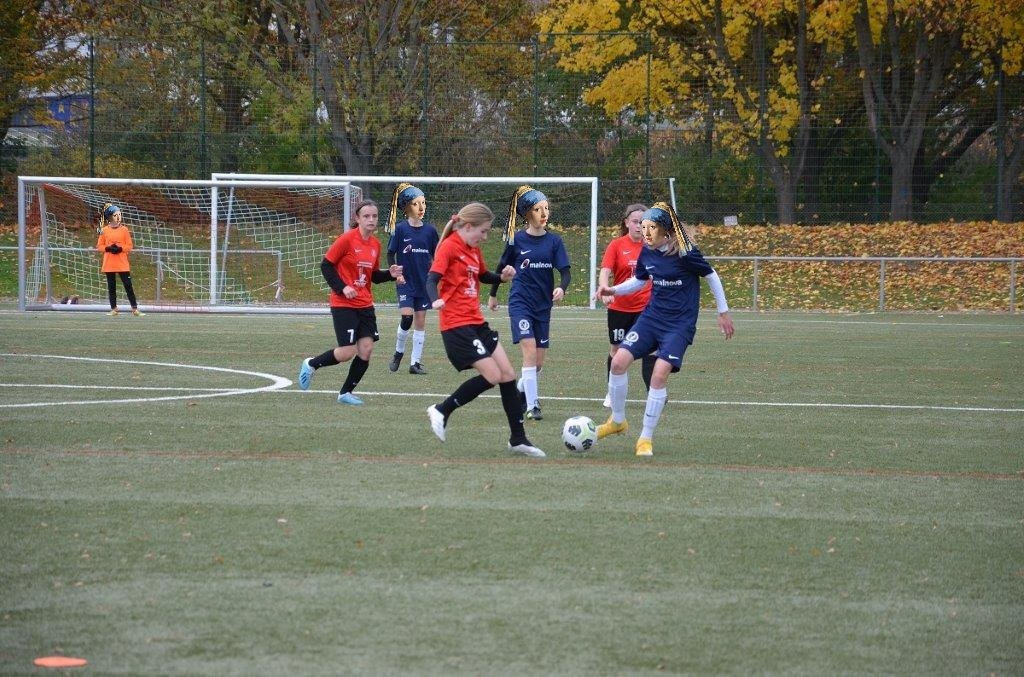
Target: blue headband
{"points": [[528, 200], [408, 195], [658, 216], [110, 211]]}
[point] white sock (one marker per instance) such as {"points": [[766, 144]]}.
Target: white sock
{"points": [[529, 382], [400, 336], [618, 385], [419, 337], [655, 404]]}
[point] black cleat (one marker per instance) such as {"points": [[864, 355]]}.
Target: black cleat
{"points": [[395, 361], [534, 414], [417, 368]]}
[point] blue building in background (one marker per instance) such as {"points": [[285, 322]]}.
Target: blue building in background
{"points": [[65, 114]]}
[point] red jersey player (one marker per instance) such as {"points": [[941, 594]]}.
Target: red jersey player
{"points": [[453, 285], [351, 265]]}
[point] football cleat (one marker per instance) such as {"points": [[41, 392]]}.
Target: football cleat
{"points": [[644, 447], [610, 427], [534, 414], [114, 311], [395, 361], [417, 368], [437, 422], [137, 313], [305, 374], [349, 398], [526, 449]]}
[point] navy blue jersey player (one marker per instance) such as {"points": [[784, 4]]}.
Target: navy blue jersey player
{"points": [[411, 246], [667, 325], [536, 254]]}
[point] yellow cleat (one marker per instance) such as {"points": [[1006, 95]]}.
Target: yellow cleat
{"points": [[644, 447], [138, 313], [114, 311], [610, 427]]}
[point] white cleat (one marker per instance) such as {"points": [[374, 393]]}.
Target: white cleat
{"points": [[607, 404], [526, 449], [436, 422]]}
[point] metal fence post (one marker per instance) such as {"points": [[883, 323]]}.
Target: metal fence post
{"points": [[881, 285], [753, 299], [1013, 286]]}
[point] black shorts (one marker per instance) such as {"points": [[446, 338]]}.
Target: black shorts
{"points": [[619, 323], [352, 324], [467, 344]]}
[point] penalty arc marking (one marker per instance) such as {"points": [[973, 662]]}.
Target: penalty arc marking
{"points": [[276, 382]]}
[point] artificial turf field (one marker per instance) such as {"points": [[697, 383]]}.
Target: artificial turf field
{"points": [[829, 494]]}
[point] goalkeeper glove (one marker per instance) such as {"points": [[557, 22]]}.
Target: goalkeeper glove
{"points": [[114, 249]]}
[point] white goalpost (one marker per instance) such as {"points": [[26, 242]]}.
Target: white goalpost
{"points": [[250, 242]]}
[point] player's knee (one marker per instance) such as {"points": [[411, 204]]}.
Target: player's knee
{"points": [[620, 365]]}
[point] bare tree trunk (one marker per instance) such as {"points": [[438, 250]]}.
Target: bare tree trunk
{"points": [[901, 202], [1008, 191], [897, 113]]}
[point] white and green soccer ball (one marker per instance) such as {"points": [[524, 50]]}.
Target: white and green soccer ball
{"points": [[579, 433]]}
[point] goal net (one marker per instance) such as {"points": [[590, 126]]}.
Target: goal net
{"points": [[574, 205], [247, 243], [198, 244]]}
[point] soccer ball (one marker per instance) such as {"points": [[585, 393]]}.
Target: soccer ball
{"points": [[579, 433]]}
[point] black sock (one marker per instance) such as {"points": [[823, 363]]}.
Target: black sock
{"points": [[464, 394], [608, 368], [514, 414], [647, 369], [324, 360], [355, 374]]}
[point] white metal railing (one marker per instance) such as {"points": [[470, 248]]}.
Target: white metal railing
{"points": [[756, 261], [881, 261]]}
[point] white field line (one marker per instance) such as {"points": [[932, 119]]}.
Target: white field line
{"points": [[719, 403], [276, 383], [280, 383]]}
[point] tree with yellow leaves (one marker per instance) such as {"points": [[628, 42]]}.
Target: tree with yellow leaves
{"points": [[910, 52], [766, 72], [758, 70]]}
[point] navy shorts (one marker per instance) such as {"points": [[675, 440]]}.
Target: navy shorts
{"points": [[525, 326], [411, 301], [667, 342]]}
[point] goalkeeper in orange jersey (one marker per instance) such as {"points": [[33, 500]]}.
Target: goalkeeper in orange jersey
{"points": [[115, 243]]}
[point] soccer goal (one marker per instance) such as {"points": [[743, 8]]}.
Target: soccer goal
{"points": [[574, 213], [224, 245]]}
